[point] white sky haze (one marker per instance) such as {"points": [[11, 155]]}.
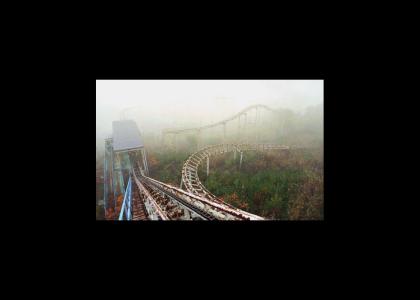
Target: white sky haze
{"points": [[172, 103]]}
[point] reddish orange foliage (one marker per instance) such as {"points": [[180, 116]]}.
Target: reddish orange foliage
{"points": [[235, 201]]}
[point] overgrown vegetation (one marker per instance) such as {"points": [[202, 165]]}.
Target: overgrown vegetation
{"points": [[166, 166], [285, 186], [275, 185]]}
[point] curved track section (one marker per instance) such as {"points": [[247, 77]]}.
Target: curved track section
{"points": [[189, 171], [244, 111], [204, 208]]}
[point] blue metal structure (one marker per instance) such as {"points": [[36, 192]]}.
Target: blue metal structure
{"points": [[123, 149], [127, 204], [126, 136]]}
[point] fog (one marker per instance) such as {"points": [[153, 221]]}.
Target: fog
{"points": [[158, 104]]}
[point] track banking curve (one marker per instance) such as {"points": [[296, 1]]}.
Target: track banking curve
{"points": [[189, 171]]}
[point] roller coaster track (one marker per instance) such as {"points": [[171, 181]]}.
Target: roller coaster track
{"points": [[166, 202], [223, 122], [150, 199], [160, 201], [189, 171]]}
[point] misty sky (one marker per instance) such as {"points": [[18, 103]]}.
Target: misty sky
{"points": [[175, 103]]}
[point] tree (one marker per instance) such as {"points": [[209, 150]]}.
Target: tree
{"points": [[234, 200], [308, 204]]}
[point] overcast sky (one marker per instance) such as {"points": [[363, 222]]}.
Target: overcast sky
{"points": [[172, 103]]}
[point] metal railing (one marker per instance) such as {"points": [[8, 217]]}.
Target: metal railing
{"points": [[127, 203]]}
